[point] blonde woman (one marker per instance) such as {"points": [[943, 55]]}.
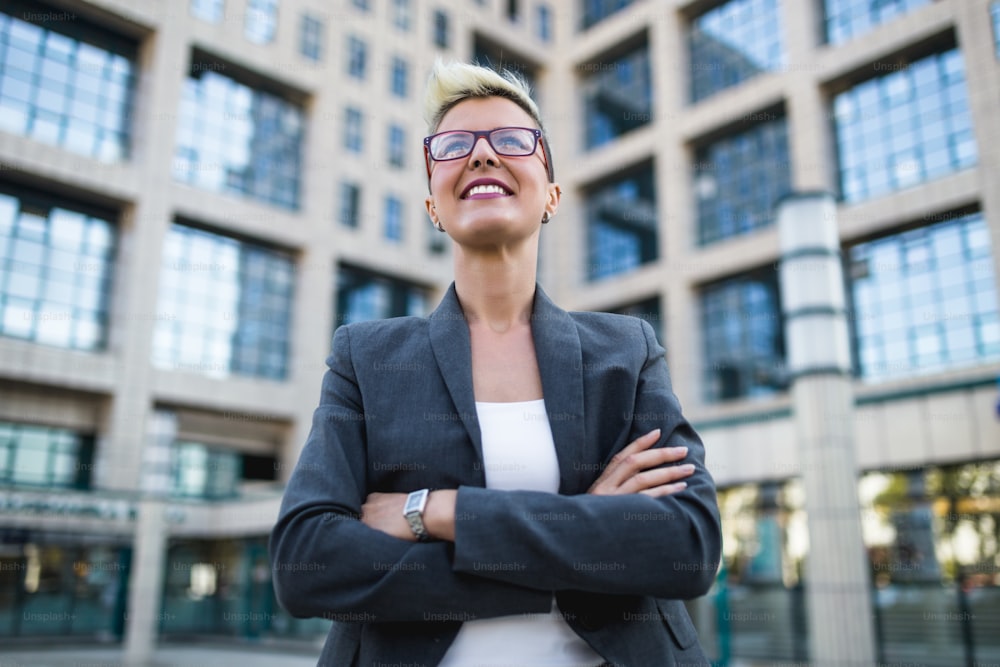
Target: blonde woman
{"points": [[502, 482]]}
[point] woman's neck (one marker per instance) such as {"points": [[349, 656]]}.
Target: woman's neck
{"points": [[495, 290]]}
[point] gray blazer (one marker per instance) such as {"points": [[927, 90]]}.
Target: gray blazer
{"points": [[397, 413]]}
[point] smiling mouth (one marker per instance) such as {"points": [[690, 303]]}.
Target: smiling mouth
{"points": [[486, 192]]}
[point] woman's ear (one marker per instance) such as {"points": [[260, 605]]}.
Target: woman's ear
{"points": [[431, 211], [552, 202]]}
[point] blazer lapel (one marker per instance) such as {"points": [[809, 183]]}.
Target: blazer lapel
{"points": [[452, 349], [560, 362]]}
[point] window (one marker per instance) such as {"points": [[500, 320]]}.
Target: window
{"points": [[311, 37], [734, 42], [925, 300], [621, 224], [513, 11], [544, 15], [357, 57], [617, 96], [361, 4], [353, 130], [738, 179], [595, 11], [904, 128], [210, 11], [225, 306], [261, 21], [363, 295], [397, 146], [440, 29], [66, 83], [995, 14], [350, 204], [199, 471], [401, 14], [743, 334], [233, 138], [846, 19], [393, 230], [400, 78], [56, 265], [43, 456]]}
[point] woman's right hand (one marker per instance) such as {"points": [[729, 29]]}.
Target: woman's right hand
{"points": [[635, 470]]}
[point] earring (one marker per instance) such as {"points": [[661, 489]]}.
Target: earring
{"points": [[439, 226], [546, 218]]}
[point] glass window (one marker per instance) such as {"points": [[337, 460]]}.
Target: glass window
{"points": [[544, 24], [311, 37], [440, 29], [743, 337], [617, 96], [393, 230], [363, 295], [66, 83], [350, 204], [203, 472], [261, 21], [56, 265], [621, 224], [224, 306], [357, 57], [211, 11], [400, 77], [397, 146], [738, 179], [995, 14], [513, 11], [43, 456], [595, 11], [931, 539], [233, 138], [734, 42], [353, 130], [401, 14], [906, 127], [925, 300], [846, 19], [363, 5]]}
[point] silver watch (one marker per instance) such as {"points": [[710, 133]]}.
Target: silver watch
{"points": [[414, 513]]}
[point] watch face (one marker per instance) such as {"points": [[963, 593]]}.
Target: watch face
{"points": [[414, 502]]}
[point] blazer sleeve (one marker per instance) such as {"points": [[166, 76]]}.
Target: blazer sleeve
{"points": [[666, 547], [327, 563]]}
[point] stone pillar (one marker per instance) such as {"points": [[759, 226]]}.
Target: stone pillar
{"points": [[838, 596], [146, 583]]}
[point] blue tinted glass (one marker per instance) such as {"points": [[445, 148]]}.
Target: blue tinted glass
{"points": [[846, 19], [224, 306], [362, 295], [903, 128], [42, 456], [995, 14], [924, 300], [743, 336], [734, 42], [617, 96], [595, 11], [621, 225], [237, 139], [261, 21]]}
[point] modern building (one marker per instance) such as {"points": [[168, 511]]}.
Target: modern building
{"points": [[193, 195]]}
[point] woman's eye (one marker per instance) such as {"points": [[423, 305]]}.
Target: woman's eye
{"points": [[453, 146], [511, 143]]}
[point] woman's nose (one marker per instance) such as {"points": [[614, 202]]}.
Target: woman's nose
{"points": [[483, 153]]}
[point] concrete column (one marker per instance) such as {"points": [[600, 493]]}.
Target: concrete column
{"points": [[838, 596], [146, 583]]}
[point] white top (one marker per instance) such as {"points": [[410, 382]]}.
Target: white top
{"points": [[519, 454]]}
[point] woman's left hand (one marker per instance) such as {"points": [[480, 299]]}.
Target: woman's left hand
{"points": [[384, 511]]}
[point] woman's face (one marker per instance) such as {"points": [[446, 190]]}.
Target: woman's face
{"points": [[475, 217]]}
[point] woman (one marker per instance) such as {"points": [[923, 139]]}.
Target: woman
{"points": [[503, 482]]}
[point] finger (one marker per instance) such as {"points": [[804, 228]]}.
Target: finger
{"points": [[639, 461], [648, 479], [665, 490], [623, 457]]}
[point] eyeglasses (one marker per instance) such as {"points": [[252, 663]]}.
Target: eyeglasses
{"points": [[507, 141]]}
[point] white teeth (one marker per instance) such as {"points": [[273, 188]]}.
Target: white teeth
{"points": [[486, 190]]}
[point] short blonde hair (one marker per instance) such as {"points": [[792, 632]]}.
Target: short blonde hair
{"points": [[451, 83]]}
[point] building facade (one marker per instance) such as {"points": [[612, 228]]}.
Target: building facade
{"points": [[194, 195]]}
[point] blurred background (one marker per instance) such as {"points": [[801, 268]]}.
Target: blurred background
{"points": [[195, 193]]}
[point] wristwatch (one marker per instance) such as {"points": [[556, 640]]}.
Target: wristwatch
{"points": [[414, 513]]}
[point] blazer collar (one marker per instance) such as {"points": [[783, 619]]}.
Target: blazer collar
{"points": [[560, 363]]}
